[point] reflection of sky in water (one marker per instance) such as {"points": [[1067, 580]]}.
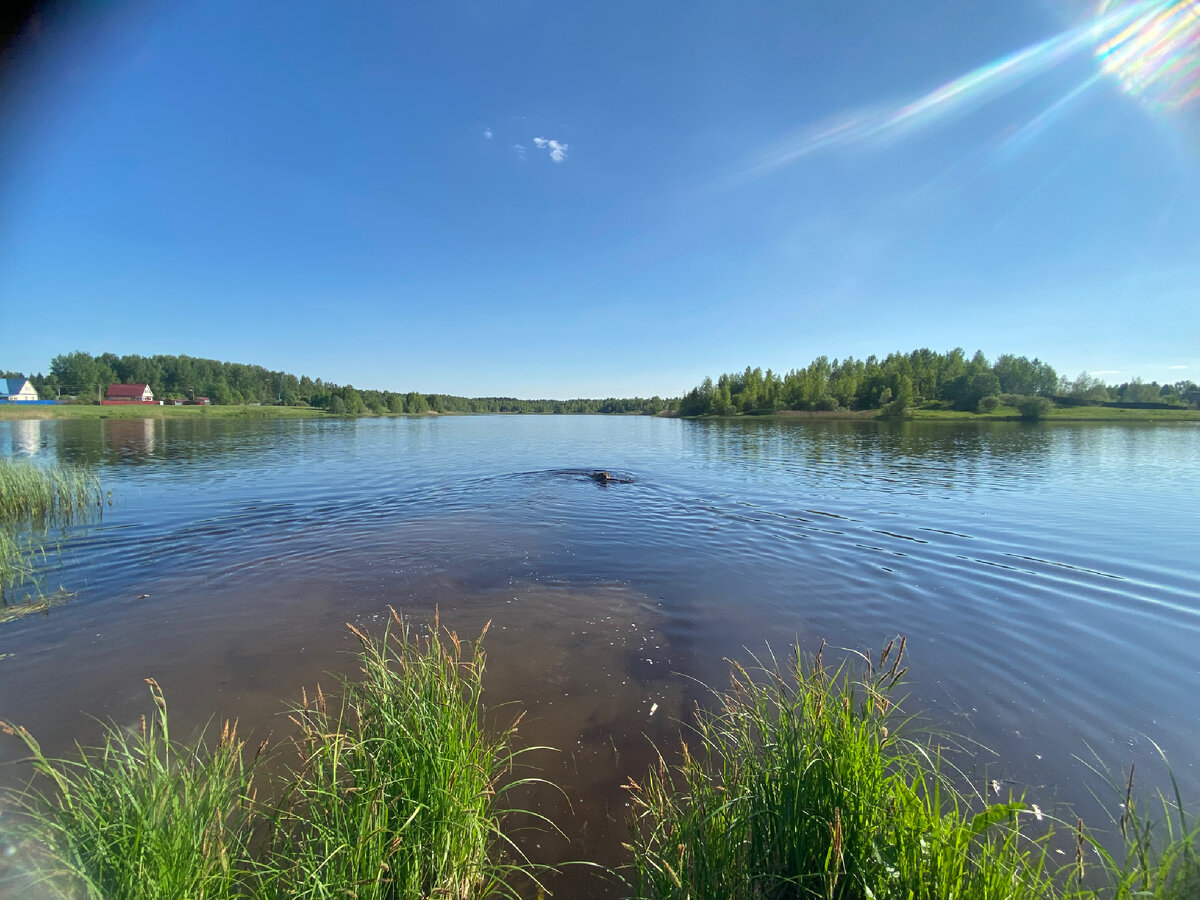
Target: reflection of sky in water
{"points": [[1156, 57], [26, 437]]}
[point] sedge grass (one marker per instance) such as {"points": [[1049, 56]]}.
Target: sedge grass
{"points": [[397, 795], [34, 499], [45, 496], [1157, 857], [802, 783], [397, 792], [141, 816]]}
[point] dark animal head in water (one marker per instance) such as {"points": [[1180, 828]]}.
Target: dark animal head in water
{"points": [[602, 477]]}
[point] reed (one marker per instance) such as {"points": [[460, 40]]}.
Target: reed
{"points": [[140, 816], [1157, 851], [801, 782], [396, 794], [45, 496], [34, 499]]}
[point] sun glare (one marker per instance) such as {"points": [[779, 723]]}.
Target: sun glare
{"points": [[1156, 57]]}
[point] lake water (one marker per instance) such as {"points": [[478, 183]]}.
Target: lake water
{"points": [[1046, 576]]}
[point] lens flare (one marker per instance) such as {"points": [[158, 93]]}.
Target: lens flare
{"points": [[1156, 57], [1142, 37], [966, 93]]}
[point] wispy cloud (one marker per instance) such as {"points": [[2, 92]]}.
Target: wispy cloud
{"points": [[558, 150], [487, 133], [1176, 368], [1107, 372], [519, 150]]}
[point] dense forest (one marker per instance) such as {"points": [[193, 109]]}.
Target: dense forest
{"points": [[84, 377], [923, 377]]}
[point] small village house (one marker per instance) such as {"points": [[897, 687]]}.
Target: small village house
{"points": [[17, 390], [129, 393]]}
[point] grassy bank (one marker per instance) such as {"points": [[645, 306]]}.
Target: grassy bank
{"points": [[34, 500], [138, 411], [800, 781]]}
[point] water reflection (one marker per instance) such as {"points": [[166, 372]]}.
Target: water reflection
{"points": [[1043, 574], [25, 437], [130, 440]]}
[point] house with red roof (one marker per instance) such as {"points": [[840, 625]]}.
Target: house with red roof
{"points": [[129, 393]]}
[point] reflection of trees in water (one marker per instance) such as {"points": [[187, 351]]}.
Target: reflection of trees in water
{"points": [[924, 450], [137, 441]]}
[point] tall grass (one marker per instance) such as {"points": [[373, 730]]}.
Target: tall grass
{"points": [[44, 496], [397, 791], [396, 795], [141, 816], [1157, 858], [801, 783], [34, 499]]}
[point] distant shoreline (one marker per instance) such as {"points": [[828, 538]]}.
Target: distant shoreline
{"points": [[16, 411]]}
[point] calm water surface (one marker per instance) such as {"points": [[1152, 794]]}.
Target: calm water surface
{"points": [[1046, 577]]}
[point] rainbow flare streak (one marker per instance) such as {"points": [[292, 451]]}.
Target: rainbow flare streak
{"points": [[1157, 56], [1152, 46]]}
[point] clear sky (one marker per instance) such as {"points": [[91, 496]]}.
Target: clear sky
{"points": [[535, 199]]}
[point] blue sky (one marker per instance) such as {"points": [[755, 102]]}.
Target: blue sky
{"points": [[534, 199]]}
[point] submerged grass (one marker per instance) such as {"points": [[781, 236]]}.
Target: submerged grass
{"points": [[396, 796]]}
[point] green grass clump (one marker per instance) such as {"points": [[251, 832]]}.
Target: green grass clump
{"points": [[34, 499], [396, 796], [141, 816], [801, 784], [44, 496]]}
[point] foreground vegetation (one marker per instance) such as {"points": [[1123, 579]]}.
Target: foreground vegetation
{"points": [[394, 793], [34, 500], [800, 781]]}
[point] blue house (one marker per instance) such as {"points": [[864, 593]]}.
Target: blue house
{"points": [[17, 390]]}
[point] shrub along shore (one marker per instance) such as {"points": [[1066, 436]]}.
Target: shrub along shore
{"points": [[802, 780]]}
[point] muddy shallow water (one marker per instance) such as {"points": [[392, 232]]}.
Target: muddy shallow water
{"points": [[1045, 575]]}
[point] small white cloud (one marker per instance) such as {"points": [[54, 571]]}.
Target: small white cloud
{"points": [[487, 133], [1107, 372], [519, 150], [1176, 368], [558, 150]]}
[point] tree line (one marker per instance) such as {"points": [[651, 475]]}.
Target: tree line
{"points": [[894, 384], [83, 377], [901, 381]]}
